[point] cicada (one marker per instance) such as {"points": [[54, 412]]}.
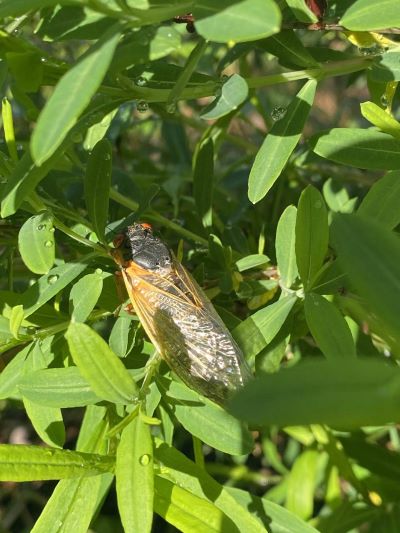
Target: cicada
{"points": [[178, 317]]}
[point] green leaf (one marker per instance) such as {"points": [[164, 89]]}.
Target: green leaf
{"points": [[380, 118], [280, 143], [71, 96], [328, 327], [367, 15], [49, 285], [188, 512], [233, 93], [285, 246], [276, 519], [203, 181], [26, 175], [239, 21], [36, 243], [71, 506], [251, 261], [382, 201], [337, 197], [57, 387], [301, 484], [182, 472], [16, 318], [206, 420], [346, 394], [122, 336], [104, 371], [357, 147], [14, 8], [96, 132], [84, 295], [312, 234], [361, 242], [33, 463], [47, 422], [11, 374], [386, 68], [97, 186], [289, 49], [258, 330], [135, 477], [26, 68], [301, 11]]}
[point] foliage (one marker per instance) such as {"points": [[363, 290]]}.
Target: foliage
{"points": [[265, 149]]}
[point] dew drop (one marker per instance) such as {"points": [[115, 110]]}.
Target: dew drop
{"points": [[52, 230], [140, 81], [52, 279], [224, 78], [144, 460], [99, 271], [318, 204], [142, 106], [31, 330], [49, 244], [278, 112], [43, 60], [107, 157], [41, 227], [384, 100]]}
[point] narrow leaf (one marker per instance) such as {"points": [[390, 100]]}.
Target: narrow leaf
{"points": [[370, 149], [382, 201], [301, 484], [49, 285], [71, 96], [380, 118], [57, 387], [36, 243], [354, 393], [366, 15], [206, 420], [203, 181], [31, 463], [104, 371], [135, 477], [258, 330], [251, 261], [362, 242], [285, 246], [280, 143], [328, 327], [71, 506], [233, 93], [47, 422], [247, 20], [84, 295], [97, 186], [312, 234], [188, 512]]}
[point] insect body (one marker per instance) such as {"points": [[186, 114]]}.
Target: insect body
{"points": [[178, 317]]}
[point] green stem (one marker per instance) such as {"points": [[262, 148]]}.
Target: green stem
{"points": [[154, 216], [198, 452], [65, 229]]}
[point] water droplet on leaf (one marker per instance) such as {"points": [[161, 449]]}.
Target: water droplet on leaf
{"points": [[41, 227], [384, 100], [49, 244], [144, 460], [98, 271], [278, 112], [171, 108], [76, 137], [52, 279]]}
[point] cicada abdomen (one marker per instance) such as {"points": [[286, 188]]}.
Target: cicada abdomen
{"points": [[178, 317]]}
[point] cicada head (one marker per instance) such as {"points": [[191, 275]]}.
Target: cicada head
{"points": [[144, 248]]}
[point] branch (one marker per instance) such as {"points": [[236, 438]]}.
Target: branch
{"points": [[322, 26]]}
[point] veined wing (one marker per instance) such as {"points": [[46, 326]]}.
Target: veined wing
{"points": [[187, 331]]}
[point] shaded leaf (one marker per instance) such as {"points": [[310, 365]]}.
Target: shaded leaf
{"points": [[84, 295], [36, 243], [233, 93], [382, 201]]}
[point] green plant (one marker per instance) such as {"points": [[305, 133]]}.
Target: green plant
{"points": [[113, 112]]}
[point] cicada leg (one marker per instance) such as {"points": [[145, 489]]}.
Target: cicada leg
{"points": [[121, 292]]}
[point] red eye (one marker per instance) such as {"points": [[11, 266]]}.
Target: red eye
{"points": [[146, 225]]}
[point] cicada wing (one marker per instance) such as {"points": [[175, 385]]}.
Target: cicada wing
{"points": [[188, 332]]}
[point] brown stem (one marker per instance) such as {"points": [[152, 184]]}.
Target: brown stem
{"points": [[321, 26]]}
